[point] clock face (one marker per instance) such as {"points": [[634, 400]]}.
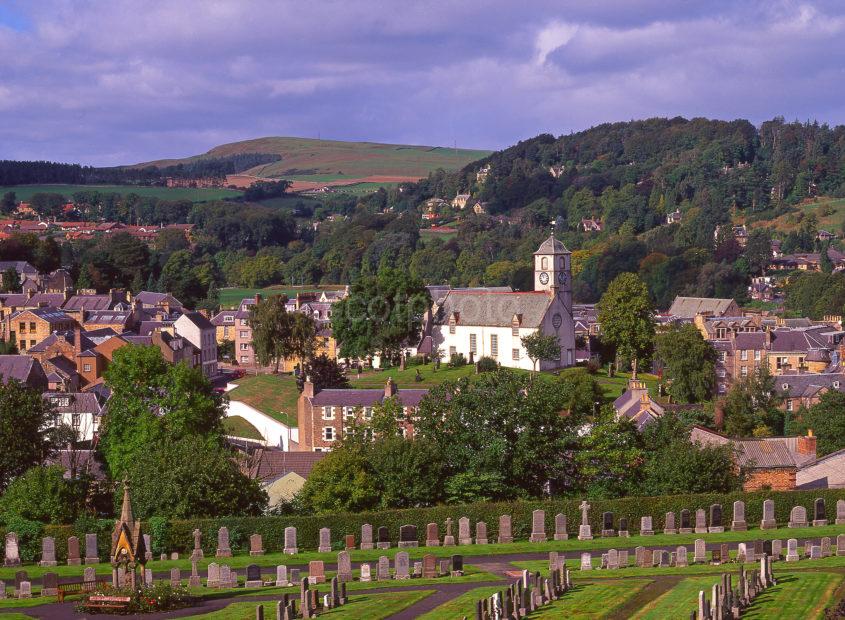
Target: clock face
{"points": [[561, 277], [544, 277], [557, 320]]}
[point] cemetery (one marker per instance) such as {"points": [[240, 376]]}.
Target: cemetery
{"points": [[714, 562]]}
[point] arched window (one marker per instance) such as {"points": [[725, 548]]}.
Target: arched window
{"points": [[544, 263]]}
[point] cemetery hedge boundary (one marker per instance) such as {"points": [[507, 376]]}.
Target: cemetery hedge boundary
{"points": [[176, 535]]}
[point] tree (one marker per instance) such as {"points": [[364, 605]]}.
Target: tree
{"points": [[381, 314], [44, 494], [25, 430], [750, 406], [826, 419], [539, 346], [47, 205], [179, 277], [408, 472], [152, 401], [191, 477], [8, 203], [690, 363], [626, 316], [758, 250], [302, 339], [582, 392], [271, 330], [11, 280], [325, 373], [504, 424], [341, 482], [609, 457]]}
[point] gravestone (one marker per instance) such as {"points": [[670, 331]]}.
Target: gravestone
{"points": [[681, 557], [366, 575], [443, 566], [776, 550], [738, 523], [193, 580], [723, 551], [560, 527], [294, 576], [432, 535], [639, 554], [349, 542], [256, 545], [253, 576], [402, 565], [607, 528], [798, 517], [223, 548], [429, 566], [282, 576], [669, 524], [20, 577], [505, 529], [584, 531], [815, 552], [2, 590], [840, 545], [686, 527], [742, 553], [648, 557], [603, 561], [538, 526], [586, 561], [174, 556], [826, 553], [325, 540], [623, 558], [383, 569], [768, 522], [646, 527], [663, 559], [717, 557], [612, 559], [290, 547], [457, 565], [91, 554], [25, 590], [768, 549], [73, 558], [481, 533], [344, 567], [716, 526], [12, 556], [383, 541], [49, 584], [366, 537], [758, 549], [316, 572], [213, 580], [819, 513], [448, 539], [840, 512], [623, 527], [417, 569], [148, 545], [175, 578], [554, 559], [792, 550], [700, 555], [48, 552], [89, 578], [148, 579], [197, 553], [700, 521], [464, 534]]}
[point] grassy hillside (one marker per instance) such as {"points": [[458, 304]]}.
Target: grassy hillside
{"points": [[310, 162], [25, 192], [829, 212]]}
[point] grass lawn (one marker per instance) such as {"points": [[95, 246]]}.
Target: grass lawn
{"points": [[679, 601], [405, 378], [612, 387], [370, 606], [239, 427], [463, 605], [797, 595], [25, 192], [274, 395], [230, 297], [592, 600]]}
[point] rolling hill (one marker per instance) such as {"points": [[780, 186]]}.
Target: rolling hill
{"points": [[311, 163]]}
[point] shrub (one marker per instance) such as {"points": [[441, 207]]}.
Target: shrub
{"points": [[43, 494], [487, 364], [457, 360], [160, 596]]}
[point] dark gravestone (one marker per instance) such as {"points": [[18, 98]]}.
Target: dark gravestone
{"points": [[623, 526], [383, 540], [457, 565], [819, 513], [20, 576], [686, 528], [607, 524], [73, 558], [759, 549], [50, 584], [716, 519], [408, 536], [767, 547], [253, 576]]}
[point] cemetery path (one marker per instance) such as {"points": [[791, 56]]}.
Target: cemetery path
{"points": [[659, 585]]}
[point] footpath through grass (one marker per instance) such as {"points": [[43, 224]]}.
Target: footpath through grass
{"points": [[273, 395], [237, 426]]}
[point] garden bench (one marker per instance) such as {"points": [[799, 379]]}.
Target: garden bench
{"points": [[77, 587]]}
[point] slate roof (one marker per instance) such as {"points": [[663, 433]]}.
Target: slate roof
{"points": [[552, 246], [199, 320], [100, 317], [826, 472], [69, 336], [150, 298], [808, 384], [688, 307], [88, 302], [494, 309], [16, 367], [784, 340], [365, 398], [277, 463], [762, 453], [51, 315], [79, 402], [21, 266], [218, 319], [14, 300], [54, 300], [84, 461]]}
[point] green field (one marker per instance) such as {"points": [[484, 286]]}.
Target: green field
{"points": [[274, 395], [461, 606], [232, 296], [25, 192], [237, 426]]}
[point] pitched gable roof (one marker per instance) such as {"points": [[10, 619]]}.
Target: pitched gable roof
{"points": [[494, 309]]}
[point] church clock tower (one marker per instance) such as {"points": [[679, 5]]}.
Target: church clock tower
{"points": [[553, 270]]}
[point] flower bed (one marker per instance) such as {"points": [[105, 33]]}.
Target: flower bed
{"points": [[158, 597]]}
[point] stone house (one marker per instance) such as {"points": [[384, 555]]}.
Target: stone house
{"points": [[798, 390], [689, 307], [826, 472], [324, 416], [200, 332], [29, 327], [224, 325], [636, 404], [282, 473], [460, 201], [592, 225]]}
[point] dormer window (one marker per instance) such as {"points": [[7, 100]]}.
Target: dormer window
{"points": [[785, 386], [228, 319], [836, 385]]}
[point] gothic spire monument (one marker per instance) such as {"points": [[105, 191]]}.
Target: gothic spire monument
{"points": [[128, 551]]}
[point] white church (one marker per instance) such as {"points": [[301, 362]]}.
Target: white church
{"points": [[491, 323]]}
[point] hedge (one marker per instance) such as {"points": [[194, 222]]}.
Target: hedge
{"points": [[177, 535]]}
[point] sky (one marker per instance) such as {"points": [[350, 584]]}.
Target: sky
{"points": [[107, 82]]}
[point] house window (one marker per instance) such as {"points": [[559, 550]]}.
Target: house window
{"points": [[244, 346], [452, 351], [225, 332], [544, 263], [473, 344], [32, 326], [328, 413], [515, 354], [22, 328], [721, 388], [494, 345], [743, 355], [515, 331], [86, 368], [348, 412], [452, 327], [836, 385], [95, 424], [74, 420], [724, 356], [328, 433], [756, 356], [368, 413], [243, 322], [789, 404], [244, 334], [228, 319], [720, 333], [244, 358], [743, 371]]}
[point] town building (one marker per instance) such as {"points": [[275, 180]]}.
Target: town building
{"points": [[689, 307], [29, 327], [200, 332], [80, 411], [282, 473]]}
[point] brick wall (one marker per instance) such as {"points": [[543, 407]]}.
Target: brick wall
{"points": [[780, 479]]}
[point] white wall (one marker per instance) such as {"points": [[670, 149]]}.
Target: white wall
{"points": [[274, 432], [460, 340]]}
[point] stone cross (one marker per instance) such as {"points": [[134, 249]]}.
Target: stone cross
{"points": [[197, 553], [584, 531], [584, 508]]}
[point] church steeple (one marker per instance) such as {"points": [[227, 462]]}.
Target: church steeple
{"points": [[126, 510], [552, 266]]}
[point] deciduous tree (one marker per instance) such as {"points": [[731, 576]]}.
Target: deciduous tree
{"points": [[626, 316], [690, 363]]}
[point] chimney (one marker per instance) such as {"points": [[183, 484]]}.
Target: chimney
{"points": [[807, 445], [77, 341], [308, 390], [389, 388], [644, 402]]}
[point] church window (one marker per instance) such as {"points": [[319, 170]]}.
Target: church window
{"points": [[544, 263], [453, 351], [515, 354], [494, 345], [515, 330], [473, 344]]}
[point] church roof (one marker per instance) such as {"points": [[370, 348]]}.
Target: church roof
{"points": [[552, 246], [494, 309]]}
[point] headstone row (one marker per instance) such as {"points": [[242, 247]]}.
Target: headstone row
{"points": [[728, 602], [525, 595]]}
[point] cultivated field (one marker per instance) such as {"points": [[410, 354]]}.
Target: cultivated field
{"points": [[25, 192]]}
